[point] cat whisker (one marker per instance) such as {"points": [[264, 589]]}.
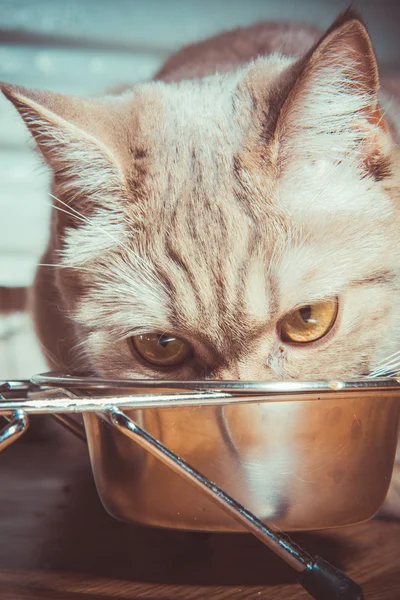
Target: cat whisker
{"points": [[393, 359], [384, 112], [70, 214], [135, 257], [390, 365], [386, 370], [385, 360], [388, 373], [64, 266], [74, 213], [84, 220], [48, 353]]}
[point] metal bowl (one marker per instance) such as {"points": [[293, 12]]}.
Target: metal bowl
{"points": [[300, 456], [280, 455]]}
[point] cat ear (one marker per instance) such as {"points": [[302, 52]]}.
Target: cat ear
{"points": [[66, 131], [332, 107]]}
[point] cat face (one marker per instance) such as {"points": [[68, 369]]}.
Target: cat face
{"points": [[239, 226]]}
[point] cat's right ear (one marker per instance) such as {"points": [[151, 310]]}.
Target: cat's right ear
{"points": [[67, 131]]}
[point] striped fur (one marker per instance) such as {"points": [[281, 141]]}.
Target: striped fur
{"points": [[211, 201]]}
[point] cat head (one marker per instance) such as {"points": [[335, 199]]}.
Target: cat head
{"points": [[239, 226]]}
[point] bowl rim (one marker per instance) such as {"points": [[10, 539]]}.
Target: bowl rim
{"points": [[270, 388]]}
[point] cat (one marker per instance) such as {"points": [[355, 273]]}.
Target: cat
{"points": [[235, 218]]}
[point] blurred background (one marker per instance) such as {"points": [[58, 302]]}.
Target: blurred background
{"points": [[84, 47]]}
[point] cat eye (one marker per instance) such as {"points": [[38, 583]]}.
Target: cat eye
{"points": [[162, 350], [309, 323]]}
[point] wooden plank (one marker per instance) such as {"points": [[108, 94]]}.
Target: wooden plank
{"points": [[168, 25], [75, 70]]}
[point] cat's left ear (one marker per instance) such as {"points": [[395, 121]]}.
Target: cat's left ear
{"points": [[332, 106], [75, 138]]}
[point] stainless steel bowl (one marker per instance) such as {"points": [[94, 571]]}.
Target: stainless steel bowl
{"points": [[262, 455], [300, 456], [270, 455]]}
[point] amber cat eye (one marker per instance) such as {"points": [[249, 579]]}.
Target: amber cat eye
{"points": [[309, 323], [161, 349]]}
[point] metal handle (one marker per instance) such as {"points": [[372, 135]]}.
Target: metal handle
{"points": [[17, 425], [319, 578]]}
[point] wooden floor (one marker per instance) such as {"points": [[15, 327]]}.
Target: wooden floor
{"points": [[57, 542]]}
